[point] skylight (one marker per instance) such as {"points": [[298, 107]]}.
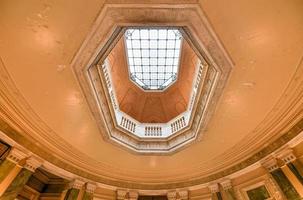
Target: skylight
{"points": [[153, 56]]}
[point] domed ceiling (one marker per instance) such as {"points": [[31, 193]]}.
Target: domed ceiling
{"points": [[44, 108]]}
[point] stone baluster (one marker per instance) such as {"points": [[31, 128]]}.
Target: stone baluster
{"points": [[228, 190]]}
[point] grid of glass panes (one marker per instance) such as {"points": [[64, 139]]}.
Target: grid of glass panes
{"points": [[153, 56]]}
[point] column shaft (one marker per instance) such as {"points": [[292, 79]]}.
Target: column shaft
{"points": [[9, 178], [81, 193], [17, 185], [284, 184], [5, 167], [72, 194], [88, 196], [297, 168], [293, 179]]}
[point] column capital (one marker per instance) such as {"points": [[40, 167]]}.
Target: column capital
{"points": [[15, 155], [77, 184], [226, 184], [172, 195], [177, 195], [133, 195], [183, 194], [214, 187], [121, 194], [32, 163], [286, 155], [90, 187], [270, 164]]}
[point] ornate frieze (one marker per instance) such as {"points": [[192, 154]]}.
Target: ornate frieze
{"points": [[32, 163], [15, 155]]}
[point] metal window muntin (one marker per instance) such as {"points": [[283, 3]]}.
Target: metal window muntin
{"points": [[175, 58]]}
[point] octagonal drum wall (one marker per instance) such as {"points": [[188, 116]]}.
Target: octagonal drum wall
{"points": [[152, 107]]}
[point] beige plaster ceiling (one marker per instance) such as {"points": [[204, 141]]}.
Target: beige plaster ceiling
{"points": [[152, 107], [41, 99]]}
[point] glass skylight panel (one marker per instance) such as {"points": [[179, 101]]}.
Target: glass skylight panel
{"points": [[153, 56]]}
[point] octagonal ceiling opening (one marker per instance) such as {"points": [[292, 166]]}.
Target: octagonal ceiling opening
{"points": [[92, 66], [146, 120], [153, 55], [151, 106]]}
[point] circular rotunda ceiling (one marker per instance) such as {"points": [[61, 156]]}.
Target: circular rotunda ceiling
{"points": [[47, 103]]}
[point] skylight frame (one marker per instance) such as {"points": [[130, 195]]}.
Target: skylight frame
{"points": [[176, 58]]}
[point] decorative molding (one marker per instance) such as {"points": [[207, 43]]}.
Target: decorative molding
{"points": [[77, 184], [172, 195], [214, 188], [266, 181], [133, 195], [226, 184], [33, 163], [286, 155], [274, 189], [183, 194], [90, 187], [178, 195], [127, 195], [270, 164], [15, 155], [121, 194]]}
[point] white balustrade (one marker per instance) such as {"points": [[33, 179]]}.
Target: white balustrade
{"points": [[151, 130], [178, 124], [199, 74], [106, 75], [128, 124]]}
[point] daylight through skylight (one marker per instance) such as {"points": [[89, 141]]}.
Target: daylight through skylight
{"points": [[153, 56]]}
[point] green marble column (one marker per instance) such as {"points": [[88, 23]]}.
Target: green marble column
{"points": [[17, 185], [5, 167], [88, 196], [285, 185], [297, 169], [72, 194]]}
